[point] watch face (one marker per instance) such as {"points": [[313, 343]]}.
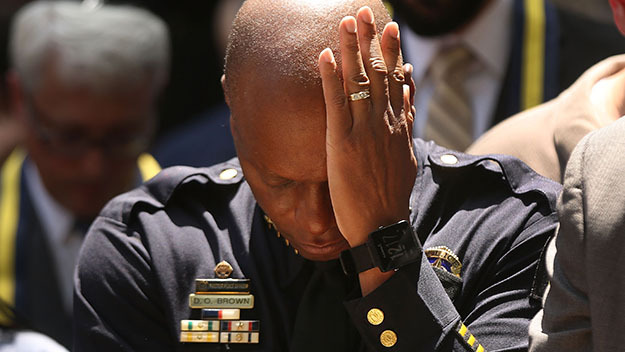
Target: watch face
{"points": [[395, 245]]}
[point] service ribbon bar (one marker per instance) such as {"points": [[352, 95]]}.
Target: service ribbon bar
{"points": [[221, 301], [240, 325], [222, 285], [239, 337], [199, 325], [188, 336], [221, 314]]}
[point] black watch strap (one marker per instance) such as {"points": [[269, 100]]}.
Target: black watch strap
{"points": [[356, 260], [387, 248]]}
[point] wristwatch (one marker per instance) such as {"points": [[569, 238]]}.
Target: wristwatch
{"points": [[388, 248]]}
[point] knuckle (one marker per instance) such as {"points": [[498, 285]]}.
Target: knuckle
{"points": [[398, 76], [360, 79], [378, 65]]}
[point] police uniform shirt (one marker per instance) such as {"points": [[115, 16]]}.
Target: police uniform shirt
{"points": [[143, 253]]}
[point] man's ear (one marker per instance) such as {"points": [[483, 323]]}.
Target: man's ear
{"points": [[223, 87]]}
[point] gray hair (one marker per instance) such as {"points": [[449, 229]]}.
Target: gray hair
{"points": [[105, 48]]}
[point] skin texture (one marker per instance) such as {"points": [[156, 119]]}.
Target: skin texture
{"points": [[438, 17], [328, 171], [82, 184], [282, 153]]}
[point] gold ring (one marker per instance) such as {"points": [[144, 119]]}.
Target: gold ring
{"points": [[363, 94]]}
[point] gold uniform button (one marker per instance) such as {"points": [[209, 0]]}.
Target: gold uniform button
{"points": [[449, 159], [375, 316], [388, 338], [228, 174]]}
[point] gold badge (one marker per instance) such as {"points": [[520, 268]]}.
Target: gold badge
{"points": [[223, 269], [443, 257]]}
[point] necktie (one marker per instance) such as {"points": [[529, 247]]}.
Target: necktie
{"points": [[450, 121]]}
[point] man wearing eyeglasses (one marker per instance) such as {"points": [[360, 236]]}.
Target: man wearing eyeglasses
{"points": [[84, 83]]}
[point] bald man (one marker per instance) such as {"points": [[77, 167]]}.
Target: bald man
{"points": [[332, 230]]}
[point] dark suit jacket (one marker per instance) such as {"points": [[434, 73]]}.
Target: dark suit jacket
{"points": [[38, 303], [573, 44]]}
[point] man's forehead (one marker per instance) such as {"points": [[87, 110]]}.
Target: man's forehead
{"points": [[267, 95], [280, 135], [282, 131]]}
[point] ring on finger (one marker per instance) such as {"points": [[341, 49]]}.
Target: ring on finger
{"points": [[363, 94]]}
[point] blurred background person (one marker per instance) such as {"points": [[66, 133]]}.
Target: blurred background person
{"points": [[10, 131], [83, 82], [27, 341], [544, 136], [584, 304], [193, 87], [583, 308], [577, 139], [196, 65], [11, 134], [476, 62]]}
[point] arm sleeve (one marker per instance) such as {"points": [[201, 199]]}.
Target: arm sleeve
{"points": [[564, 323], [112, 284], [423, 318]]}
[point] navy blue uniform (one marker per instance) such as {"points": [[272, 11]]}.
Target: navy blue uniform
{"points": [[140, 259]]}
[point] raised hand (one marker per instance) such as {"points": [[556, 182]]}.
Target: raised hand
{"points": [[371, 165]]}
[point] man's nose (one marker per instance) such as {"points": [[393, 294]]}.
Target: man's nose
{"points": [[93, 163], [315, 209]]}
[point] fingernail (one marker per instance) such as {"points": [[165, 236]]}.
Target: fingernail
{"points": [[327, 56], [393, 28], [366, 15], [350, 24]]}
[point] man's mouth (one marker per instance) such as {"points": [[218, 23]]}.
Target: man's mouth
{"points": [[323, 251]]}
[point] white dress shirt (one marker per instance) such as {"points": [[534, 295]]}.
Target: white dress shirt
{"points": [[56, 222], [488, 39]]}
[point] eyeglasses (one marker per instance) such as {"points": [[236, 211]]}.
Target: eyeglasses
{"points": [[75, 144]]}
